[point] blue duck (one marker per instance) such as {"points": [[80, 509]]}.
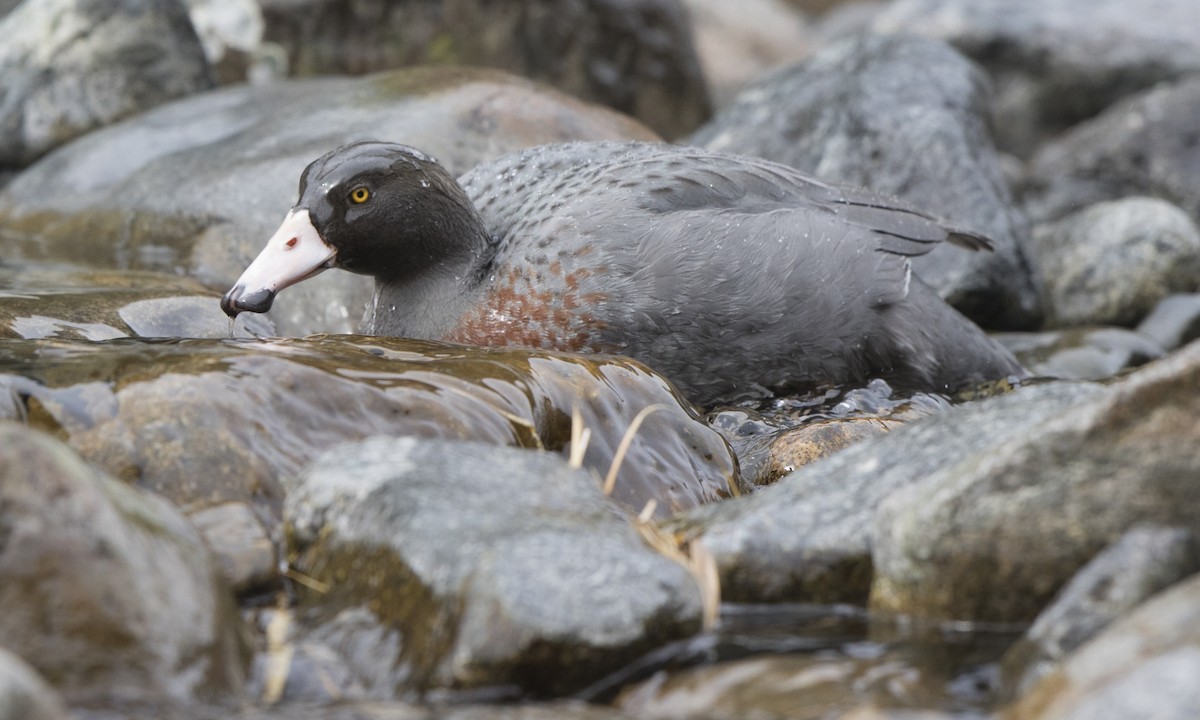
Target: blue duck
{"points": [[733, 276]]}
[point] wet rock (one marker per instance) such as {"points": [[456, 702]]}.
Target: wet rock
{"points": [[1081, 353], [1144, 665], [634, 55], [107, 591], [231, 32], [207, 421], [739, 42], [1111, 263], [71, 66], [358, 710], [905, 117], [1052, 495], [1174, 322], [74, 303], [197, 186], [808, 443], [481, 567], [241, 543], [1056, 63], [1144, 561], [24, 695], [871, 712], [562, 710], [1144, 145], [807, 686], [809, 537]]}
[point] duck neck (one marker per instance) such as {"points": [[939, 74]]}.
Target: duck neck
{"points": [[427, 304]]}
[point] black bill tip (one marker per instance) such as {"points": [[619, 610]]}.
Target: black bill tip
{"points": [[236, 301]]}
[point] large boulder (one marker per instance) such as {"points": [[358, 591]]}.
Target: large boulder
{"points": [[70, 66], [1143, 145], [1144, 561], [996, 539], [809, 537], [107, 590], [1144, 665], [905, 117], [635, 56], [1057, 62], [458, 565], [197, 186]]}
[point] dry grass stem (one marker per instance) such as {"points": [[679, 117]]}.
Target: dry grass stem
{"points": [[692, 555], [279, 653], [580, 436], [306, 581], [610, 480]]}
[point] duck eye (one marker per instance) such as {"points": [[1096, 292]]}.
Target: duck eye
{"points": [[359, 195]]}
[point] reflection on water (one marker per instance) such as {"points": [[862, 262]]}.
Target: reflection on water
{"points": [[814, 661]]}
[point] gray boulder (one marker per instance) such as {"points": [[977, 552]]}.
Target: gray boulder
{"points": [[1144, 145], [1142, 666], [472, 566], [905, 117], [996, 539], [809, 537], [1111, 263], [70, 66], [24, 695], [1057, 62], [197, 186], [635, 56], [1144, 561], [108, 591]]}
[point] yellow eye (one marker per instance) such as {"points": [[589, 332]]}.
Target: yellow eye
{"points": [[359, 195]]}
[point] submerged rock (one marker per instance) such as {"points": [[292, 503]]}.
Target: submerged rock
{"points": [[198, 185], [70, 66], [996, 538], [478, 567], [241, 543], [205, 421], [905, 117], [74, 303], [107, 590]]}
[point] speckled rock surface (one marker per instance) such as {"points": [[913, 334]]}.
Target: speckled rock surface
{"points": [[495, 566], [139, 607], [71, 66], [1111, 263]]}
